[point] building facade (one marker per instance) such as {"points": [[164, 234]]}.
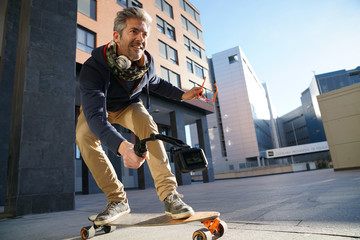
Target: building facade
{"points": [[340, 110], [37, 95], [43, 46], [293, 130], [312, 113], [177, 46], [320, 84], [304, 125], [247, 124], [330, 81]]}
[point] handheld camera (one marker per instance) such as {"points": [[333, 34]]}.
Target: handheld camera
{"points": [[188, 159]]}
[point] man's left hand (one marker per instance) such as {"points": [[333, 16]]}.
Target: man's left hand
{"points": [[193, 93]]}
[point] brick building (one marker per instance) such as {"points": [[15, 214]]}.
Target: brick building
{"points": [[43, 45], [177, 46]]}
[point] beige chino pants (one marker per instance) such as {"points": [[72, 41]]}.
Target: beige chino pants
{"points": [[135, 118]]}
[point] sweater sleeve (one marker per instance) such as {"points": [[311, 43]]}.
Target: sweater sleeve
{"points": [[92, 90]]}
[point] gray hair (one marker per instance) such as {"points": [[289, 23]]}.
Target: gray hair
{"points": [[131, 12]]}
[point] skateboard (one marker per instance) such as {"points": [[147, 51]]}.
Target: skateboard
{"points": [[214, 226]]}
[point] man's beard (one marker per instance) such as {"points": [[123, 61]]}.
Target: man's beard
{"points": [[134, 53]]}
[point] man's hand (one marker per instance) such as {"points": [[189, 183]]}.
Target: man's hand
{"points": [[193, 93], [131, 160]]}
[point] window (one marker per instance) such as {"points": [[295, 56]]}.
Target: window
{"points": [[200, 37], [168, 52], [130, 3], [87, 7], [165, 28], [170, 76], [135, 3], [165, 7], [85, 39], [193, 67], [354, 77], [122, 3], [189, 67], [199, 71], [172, 54], [191, 28], [191, 11], [170, 32], [233, 59], [174, 78], [160, 25], [187, 43], [184, 22], [162, 49], [194, 48]]}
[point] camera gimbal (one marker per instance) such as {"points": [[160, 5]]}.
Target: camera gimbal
{"points": [[188, 159]]}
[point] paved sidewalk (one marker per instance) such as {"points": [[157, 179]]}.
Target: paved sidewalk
{"points": [[313, 205]]}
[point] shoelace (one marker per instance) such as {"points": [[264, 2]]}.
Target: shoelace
{"points": [[176, 199], [112, 205]]}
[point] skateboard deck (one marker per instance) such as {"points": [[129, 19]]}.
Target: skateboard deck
{"points": [[214, 226]]}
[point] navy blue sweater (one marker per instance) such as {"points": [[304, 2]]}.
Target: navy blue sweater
{"points": [[102, 91]]}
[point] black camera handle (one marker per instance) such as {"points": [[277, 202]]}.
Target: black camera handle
{"points": [[140, 145]]}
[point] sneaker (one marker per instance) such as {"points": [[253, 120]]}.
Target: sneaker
{"points": [[176, 208], [112, 211]]}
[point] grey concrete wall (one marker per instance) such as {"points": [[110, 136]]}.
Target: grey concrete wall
{"points": [[42, 133], [7, 71]]}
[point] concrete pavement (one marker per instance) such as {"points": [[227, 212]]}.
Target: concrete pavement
{"points": [[320, 204]]}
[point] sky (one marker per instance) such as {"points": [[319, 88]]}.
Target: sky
{"points": [[285, 41]]}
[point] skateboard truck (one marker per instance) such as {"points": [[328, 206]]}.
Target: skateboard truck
{"points": [[189, 159], [216, 226]]}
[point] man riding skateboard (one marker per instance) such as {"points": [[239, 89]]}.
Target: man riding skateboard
{"points": [[111, 81]]}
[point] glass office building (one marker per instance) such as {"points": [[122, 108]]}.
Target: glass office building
{"points": [[334, 80], [247, 125], [322, 83], [293, 129]]}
